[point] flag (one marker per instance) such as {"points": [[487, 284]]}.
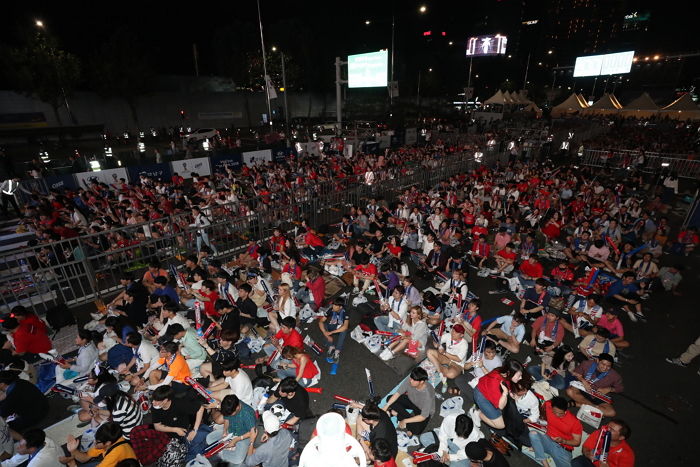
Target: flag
{"points": [[270, 87]]}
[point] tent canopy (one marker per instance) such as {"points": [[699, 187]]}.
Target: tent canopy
{"points": [[497, 98], [607, 102], [571, 104], [685, 102], [643, 102]]}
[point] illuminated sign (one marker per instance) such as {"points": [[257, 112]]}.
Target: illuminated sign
{"points": [[368, 70], [531, 22], [608, 64], [486, 45]]}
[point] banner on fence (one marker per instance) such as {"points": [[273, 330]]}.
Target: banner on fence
{"points": [[280, 155], [109, 176], [251, 157], [186, 167], [61, 182], [221, 161], [156, 171]]}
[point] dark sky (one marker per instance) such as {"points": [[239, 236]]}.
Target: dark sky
{"points": [[314, 32]]}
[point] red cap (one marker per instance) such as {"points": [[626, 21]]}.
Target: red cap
{"points": [[458, 328]]}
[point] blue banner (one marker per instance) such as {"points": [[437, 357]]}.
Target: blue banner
{"points": [[61, 182], [281, 154], [223, 160], [156, 171]]}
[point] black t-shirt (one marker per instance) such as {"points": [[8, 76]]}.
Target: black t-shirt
{"points": [[497, 459], [385, 429], [299, 404], [231, 320], [181, 413], [248, 307]]}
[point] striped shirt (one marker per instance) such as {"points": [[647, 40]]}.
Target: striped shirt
{"points": [[126, 413]]}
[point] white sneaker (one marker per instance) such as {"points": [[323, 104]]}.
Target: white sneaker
{"points": [[386, 355], [355, 290], [632, 316]]}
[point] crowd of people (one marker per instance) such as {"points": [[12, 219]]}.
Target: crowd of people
{"points": [[176, 363]]}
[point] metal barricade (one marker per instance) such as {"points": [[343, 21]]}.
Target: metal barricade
{"points": [[80, 270], [653, 163]]}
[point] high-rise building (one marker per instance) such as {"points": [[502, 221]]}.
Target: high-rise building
{"points": [[583, 27]]}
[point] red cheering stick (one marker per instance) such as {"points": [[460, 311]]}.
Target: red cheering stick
{"points": [[197, 314], [441, 275], [62, 389], [600, 396], [315, 390], [442, 329], [272, 357], [614, 247], [602, 447], [420, 457], [248, 367], [385, 333], [200, 390], [209, 330], [313, 345], [217, 447], [537, 426], [343, 399]]}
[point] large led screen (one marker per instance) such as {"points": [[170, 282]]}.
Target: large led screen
{"points": [[368, 70], [608, 64], [487, 45]]}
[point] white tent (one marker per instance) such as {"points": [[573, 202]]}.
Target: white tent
{"points": [[572, 104], [498, 99], [606, 103], [510, 98], [641, 107], [682, 108], [522, 97]]}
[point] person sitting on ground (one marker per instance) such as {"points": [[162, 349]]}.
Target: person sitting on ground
{"points": [[284, 306], [511, 332], [475, 368], [530, 272], [381, 454], [287, 335], [35, 449], [25, 337], [144, 361], [372, 424], [334, 327], [294, 398], [168, 317], [220, 350], [175, 368], [450, 356], [625, 294], [480, 252], [620, 453], [535, 300], [483, 453], [555, 369], [505, 260], [491, 392], [235, 381], [238, 419], [275, 443], [547, 332], [110, 446], [414, 336], [596, 376], [396, 308], [414, 394], [455, 432], [365, 272], [80, 365], [585, 312], [300, 365], [563, 434], [190, 347], [612, 323], [21, 399], [596, 343]]}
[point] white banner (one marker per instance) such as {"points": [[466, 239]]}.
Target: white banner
{"points": [[186, 167], [252, 157], [109, 176]]}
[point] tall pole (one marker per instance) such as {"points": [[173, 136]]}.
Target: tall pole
{"points": [[527, 68], [469, 79], [418, 93], [267, 87], [338, 96], [196, 61], [595, 81], [391, 85], [286, 105]]}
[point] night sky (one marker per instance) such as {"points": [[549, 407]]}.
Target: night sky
{"points": [[313, 33]]}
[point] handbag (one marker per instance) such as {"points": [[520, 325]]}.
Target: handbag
{"points": [[174, 454]]}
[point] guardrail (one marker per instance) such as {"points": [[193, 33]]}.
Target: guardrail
{"points": [[79, 270], [653, 162]]}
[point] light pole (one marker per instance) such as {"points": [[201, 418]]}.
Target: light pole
{"points": [[267, 81], [286, 105]]}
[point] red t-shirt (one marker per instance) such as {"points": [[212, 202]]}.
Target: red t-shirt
{"points": [[293, 338], [394, 249], [507, 254], [318, 290], [31, 336], [310, 369], [618, 456], [532, 270], [475, 322], [367, 269], [209, 309], [490, 386], [565, 427], [312, 239], [390, 463]]}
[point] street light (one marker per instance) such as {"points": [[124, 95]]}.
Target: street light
{"points": [[368, 22], [430, 69], [450, 43], [550, 52], [274, 49], [39, 23], [423, 9]]}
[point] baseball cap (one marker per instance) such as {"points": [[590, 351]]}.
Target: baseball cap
{"points": [[270, 422], [458, 328]]}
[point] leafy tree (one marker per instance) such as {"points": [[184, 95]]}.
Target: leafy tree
{"points": [[122, 69], [41, 69]]}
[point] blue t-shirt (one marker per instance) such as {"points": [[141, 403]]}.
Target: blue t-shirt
{"points": [[338, 318], [618, 288], [169, 291], [538, 299]]}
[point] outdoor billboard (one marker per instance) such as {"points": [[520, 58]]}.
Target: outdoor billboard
{"points": [[607, 64], [368, 70], [486, 45]]}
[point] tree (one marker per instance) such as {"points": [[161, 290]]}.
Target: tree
{"points": [[122, 70], [41, 69]]}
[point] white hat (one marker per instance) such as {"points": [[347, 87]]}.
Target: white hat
{"points": [[270, 422]]}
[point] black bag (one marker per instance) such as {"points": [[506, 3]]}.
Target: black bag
{"points": [[59, 317]]}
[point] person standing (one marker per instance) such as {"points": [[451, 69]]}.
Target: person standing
{"points": [[8, 189], [202, 222], [686, 357]]}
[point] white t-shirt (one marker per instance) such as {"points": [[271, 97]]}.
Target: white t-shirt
{"points": [[506, 322], [529, 406], [458, 349], [177, 319], [146, 353], [289, 308], [241, 386], [446, 433], [490, 365], [400, 307]]}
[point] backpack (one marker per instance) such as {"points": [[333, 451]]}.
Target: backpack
{"points": [[59, 316], [148, 443]]}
